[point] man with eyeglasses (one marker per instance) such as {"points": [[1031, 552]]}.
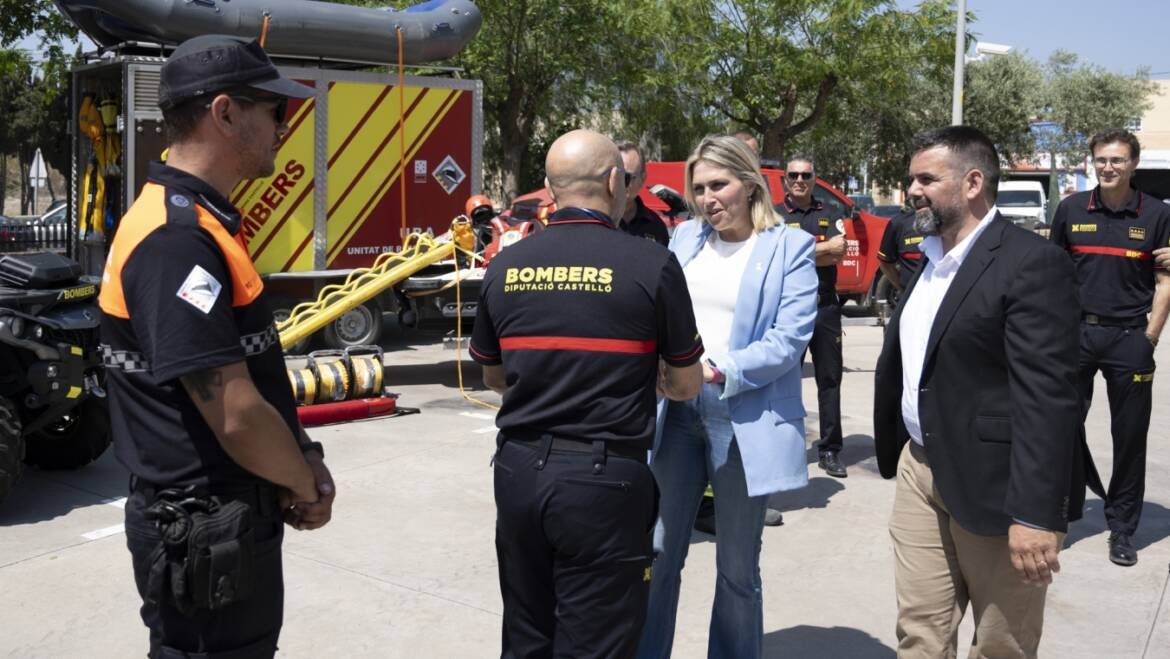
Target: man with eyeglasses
{"points": [[637, 220], [200, 404], [576, 324], [802, 210], [1111, 233]]}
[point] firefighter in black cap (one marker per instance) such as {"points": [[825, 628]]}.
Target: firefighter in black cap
{"points": [[1111, 233], [202, 412]]}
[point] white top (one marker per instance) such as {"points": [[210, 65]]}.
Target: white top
{"points": [[921, 308], [713, 280]]}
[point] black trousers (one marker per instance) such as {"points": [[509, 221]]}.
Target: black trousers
{"points": [[828, 364], [574, 546], [1125, 358], [245, 630]]}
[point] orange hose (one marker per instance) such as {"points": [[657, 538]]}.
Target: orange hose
{"points": [[402, 130], [264, 30]]}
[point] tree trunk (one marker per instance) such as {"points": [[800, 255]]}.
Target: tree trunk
{"points": [[3, 181]]}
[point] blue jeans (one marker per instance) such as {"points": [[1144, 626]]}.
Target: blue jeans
{"points": [[697, 447]]}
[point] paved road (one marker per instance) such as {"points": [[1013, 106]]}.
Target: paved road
{"points": [[407, 567]]}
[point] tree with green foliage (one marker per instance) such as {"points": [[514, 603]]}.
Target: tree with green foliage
{"points": [[33, 88], [1002, 97], [780, 68]]}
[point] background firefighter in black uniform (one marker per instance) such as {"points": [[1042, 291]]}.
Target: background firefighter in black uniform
{"points": [[1111, 233], [200, 403], [636, 219], [572, 327], [898, 254], [801, 209]]}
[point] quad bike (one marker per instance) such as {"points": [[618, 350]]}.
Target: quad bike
{"points": [[53, 412]]}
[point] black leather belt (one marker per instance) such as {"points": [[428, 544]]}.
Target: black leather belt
{"points": [[1111, 321], [563, 445]]}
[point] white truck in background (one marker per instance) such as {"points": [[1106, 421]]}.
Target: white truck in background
{"points": [[1024, 203]]}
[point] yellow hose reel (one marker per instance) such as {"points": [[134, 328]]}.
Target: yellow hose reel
{"points": [[329, 376]]}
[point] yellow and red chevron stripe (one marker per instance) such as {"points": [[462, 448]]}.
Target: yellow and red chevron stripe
{"points": [[281, 205], [363, 163]]}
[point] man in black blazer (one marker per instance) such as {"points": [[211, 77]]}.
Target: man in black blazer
{"points": [[976, 411]]}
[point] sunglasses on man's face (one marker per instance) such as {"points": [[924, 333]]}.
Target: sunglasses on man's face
{"points": [[804, 176], [278, 111], [628, 176]]}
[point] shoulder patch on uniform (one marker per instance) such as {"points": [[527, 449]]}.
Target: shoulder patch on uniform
{"points": [[841, 226], [180, 201], [823, 222], [200, 289]]}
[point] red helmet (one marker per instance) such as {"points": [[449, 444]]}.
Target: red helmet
{"points": [[476, 203]]}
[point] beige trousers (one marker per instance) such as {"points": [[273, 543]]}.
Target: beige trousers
{"points": [[940, 567]]}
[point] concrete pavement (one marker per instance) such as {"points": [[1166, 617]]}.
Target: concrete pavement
{"points": [[407, 567]]}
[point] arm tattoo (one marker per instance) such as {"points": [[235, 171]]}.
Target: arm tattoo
{"points": [[203, 383]]}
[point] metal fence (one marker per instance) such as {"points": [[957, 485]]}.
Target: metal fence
{"points": [[33, 237]]}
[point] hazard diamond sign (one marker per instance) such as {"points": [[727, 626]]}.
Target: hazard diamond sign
{"points": [[449, 174]]}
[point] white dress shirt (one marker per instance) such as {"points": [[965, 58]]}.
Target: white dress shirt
{"points": [[921, 307]]}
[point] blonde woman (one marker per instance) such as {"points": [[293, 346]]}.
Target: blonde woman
{"points": [[753, 285]]}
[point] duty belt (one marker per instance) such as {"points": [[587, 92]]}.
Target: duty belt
{"points": [[262, 497], [1111, 321], [562, 444]]}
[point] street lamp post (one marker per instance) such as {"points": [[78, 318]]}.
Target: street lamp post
{"points": [[960, 63]]}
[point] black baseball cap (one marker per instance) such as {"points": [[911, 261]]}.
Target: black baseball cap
{"points": [[214, 62]]}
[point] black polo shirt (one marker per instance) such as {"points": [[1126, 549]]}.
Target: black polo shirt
{"points": [[579, 316], [1113, 251], [900, 245], [646, 224], [820, 220], [178, 304]]}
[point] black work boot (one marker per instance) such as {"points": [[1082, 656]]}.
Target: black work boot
{"points": [[1121, 549], [832, 465]]}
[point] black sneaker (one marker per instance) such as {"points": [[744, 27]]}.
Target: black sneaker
{"points": [[773, 517], [832, 465], [1121, 550], [706, 524]]}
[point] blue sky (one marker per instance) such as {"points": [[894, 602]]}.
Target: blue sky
{"points": [[1120, 35]]}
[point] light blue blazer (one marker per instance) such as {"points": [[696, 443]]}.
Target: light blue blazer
{"points": [[775, 311]]}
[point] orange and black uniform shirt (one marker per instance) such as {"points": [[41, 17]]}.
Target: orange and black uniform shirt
{"points": [[579, 315], [900, 245], [180, 295], [1113, 251], [820, 221]]}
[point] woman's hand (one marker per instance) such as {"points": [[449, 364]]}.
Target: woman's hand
{"points": [[708, 373]]}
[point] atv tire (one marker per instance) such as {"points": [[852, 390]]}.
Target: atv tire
{"points": [[75, 440], [11, 447]]}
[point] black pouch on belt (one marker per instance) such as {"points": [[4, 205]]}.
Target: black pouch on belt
{"points": [[208, 547]]}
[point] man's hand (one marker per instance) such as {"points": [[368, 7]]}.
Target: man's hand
{"points": [[1162, 258], [836, 245], [1034, 553], [306, 515]]}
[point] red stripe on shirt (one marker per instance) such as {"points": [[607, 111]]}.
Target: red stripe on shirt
{"points": [[1138, 254], [913, 256], [627, 346]]}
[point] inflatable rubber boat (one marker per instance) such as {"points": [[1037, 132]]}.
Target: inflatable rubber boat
{"points": [[432, 31]]}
